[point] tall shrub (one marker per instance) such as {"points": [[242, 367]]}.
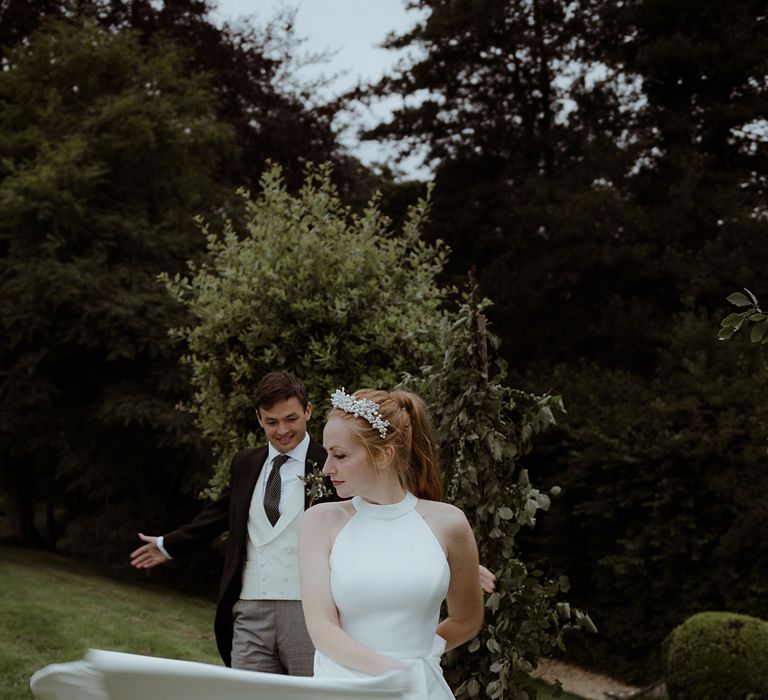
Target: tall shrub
{"points": [[485, 429], [304, 284]]}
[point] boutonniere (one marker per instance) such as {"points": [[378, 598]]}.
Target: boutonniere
{"points": [[316, 484]]}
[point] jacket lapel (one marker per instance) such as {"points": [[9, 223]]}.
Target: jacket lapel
{"points": [[251, 476]]}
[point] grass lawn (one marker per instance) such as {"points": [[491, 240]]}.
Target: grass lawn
{"points": [[53, 610]]}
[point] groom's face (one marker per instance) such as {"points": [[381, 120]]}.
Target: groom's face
{"points": [[285, 423]]}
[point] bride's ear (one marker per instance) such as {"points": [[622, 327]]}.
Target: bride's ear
{"points": [[389, 455]]}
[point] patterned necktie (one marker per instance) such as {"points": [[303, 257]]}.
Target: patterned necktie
{"points": [[272, 491]]}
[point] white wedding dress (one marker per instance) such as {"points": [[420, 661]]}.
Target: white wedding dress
{"points": [[389, 576], [112, 675]]}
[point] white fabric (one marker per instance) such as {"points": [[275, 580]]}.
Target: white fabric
{"points": [[159, 543], [77, 680], [291, 472], [389, 576], [109, 675], [271, 569]]}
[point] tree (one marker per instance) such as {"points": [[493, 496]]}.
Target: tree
{"points": [[531, 160], [250, 68], [106, 147], [585, 151], [305, 285], [19, 19]]}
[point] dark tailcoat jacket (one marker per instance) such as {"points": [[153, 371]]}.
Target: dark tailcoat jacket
{"points": [[230, 513]]}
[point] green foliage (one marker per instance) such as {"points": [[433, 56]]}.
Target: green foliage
{"points": [[485, 429], [662, 504], [532, 194], [717, 656], [106, 146], [252, 79], [753, 316], [307, 286]]}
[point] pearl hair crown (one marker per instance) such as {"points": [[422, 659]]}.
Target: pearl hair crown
{"points": [[360, 408]]}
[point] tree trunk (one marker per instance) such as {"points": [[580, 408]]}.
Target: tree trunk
{"points": [[545, 87], [19, 521], [51, 528]]}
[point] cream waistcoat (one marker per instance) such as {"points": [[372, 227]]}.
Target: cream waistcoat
{"points": [[271, 571]]}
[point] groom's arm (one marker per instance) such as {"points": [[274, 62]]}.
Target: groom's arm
{"points": [[211, 522]]}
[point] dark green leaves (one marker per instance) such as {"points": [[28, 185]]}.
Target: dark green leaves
{"points": [[733, 322], [738, 299]]}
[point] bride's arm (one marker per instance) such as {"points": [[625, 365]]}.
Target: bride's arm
{"points": [[318, 528], [465, 597]]}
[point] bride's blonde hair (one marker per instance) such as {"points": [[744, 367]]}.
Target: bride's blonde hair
{"points": [[409, 434]]}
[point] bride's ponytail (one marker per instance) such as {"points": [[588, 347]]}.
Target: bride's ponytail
{"points": [[422, 473]]}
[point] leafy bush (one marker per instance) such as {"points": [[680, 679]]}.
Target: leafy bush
{"points": [[485, 428], [303, 284], [717, 656]]}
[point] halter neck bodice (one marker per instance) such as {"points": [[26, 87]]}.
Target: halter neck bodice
{"points": [[389, 511]]}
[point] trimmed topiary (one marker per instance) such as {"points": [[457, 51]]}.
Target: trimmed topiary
{"points": [[717, 656]]}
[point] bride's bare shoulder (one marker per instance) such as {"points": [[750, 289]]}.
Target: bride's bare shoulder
{"points": [[328, 513], [446, 515]]}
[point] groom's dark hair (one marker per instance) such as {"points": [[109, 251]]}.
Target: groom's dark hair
{"points": [[280, 386]]}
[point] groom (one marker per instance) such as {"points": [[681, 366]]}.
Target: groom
{"points": [[259, 619]]}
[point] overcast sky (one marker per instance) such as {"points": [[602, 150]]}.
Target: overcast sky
{"points": [[353, 31]]}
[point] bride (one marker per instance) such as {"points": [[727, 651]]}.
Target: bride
{"points": [[375, 569]]}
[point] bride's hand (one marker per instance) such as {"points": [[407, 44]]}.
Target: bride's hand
{"points": [[400, 679], [390, 665], [487, 580]]}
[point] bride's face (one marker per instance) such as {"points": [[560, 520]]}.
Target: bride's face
{"points": [[348, 464]]}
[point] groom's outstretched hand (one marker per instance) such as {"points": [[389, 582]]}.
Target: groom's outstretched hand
{"points": [[487, 580], [148, 555]]}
